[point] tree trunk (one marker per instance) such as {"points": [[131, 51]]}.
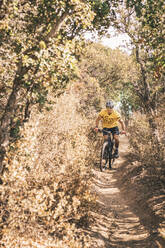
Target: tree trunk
{"points": [[147, 100], [9, 112]]}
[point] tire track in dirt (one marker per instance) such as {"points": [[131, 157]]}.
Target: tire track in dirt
{"points": [[115, 223]]}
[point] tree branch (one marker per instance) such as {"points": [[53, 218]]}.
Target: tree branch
{"points": [[56, 27]]}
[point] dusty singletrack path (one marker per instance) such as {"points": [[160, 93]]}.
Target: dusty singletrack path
{"points": [[115, 224]]}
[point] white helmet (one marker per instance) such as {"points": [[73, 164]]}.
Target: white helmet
{"points": [[110, 104]]}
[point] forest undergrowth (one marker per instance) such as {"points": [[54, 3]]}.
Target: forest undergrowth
{"points": [[45, 189]]}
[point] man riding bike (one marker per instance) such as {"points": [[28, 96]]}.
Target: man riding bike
{"points": [[110, 119]]}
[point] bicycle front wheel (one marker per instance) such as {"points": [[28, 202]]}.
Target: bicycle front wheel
{"points": [[111, 160], [104, 158]]}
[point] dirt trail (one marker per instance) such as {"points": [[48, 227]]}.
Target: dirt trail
{"points": [[116, 223]]}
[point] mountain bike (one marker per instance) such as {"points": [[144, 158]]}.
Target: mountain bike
{"points": [[107, 158]]}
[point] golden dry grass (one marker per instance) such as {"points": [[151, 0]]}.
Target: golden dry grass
{"points": [[46, 185]]}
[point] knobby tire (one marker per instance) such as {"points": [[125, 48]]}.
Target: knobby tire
{"points": [[104, 159]]}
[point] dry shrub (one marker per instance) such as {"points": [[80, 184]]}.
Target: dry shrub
{"points": [[143, 143], [93, 96], [147, 172], [46, 185]]}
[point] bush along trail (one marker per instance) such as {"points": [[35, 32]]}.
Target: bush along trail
{"points": [[123, 218]]}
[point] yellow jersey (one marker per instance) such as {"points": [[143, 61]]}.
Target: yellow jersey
{"points": [[109, 120]]}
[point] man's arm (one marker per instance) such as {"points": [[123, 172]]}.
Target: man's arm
{"points": [[97, 120], [123, 126], [97, 123]]}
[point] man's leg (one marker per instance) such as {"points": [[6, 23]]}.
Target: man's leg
{"points": [[105, 136]]}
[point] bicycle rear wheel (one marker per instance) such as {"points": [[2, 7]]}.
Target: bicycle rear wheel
{"points": [[104, 157]]}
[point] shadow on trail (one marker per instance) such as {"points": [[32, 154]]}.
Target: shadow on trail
{"points": [[142, 190], [124, 218]]}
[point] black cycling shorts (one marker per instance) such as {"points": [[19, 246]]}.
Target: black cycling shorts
{"points": [[114, 130]]}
